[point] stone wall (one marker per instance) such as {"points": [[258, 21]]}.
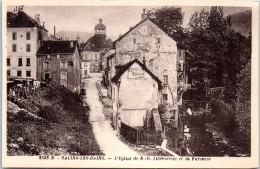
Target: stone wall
{"points": [[149, 42]]}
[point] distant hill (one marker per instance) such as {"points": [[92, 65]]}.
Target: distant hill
{"points": [[242, 22], [72, 35], [84, 36]]}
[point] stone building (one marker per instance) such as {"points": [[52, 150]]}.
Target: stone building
{"points": [[24, 37], [161, 54], [59, 62], [136, 91], [95, 47], [147, 42]]}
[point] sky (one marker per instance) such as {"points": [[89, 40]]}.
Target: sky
{"points": [[117, 19]]}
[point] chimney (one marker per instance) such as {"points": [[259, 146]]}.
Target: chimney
{"points": [[15, 10], [144, 14], [54, 31], [37, 18], [71, 44]]}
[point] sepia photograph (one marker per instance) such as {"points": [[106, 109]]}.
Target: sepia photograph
{"points": [[128, 83]]}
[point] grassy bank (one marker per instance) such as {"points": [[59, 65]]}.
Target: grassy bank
{"points": [[52, 121]]}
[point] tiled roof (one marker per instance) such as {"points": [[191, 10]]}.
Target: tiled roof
{"points": [[97, 43], [56, 47], [21, 19], [128, 65]]}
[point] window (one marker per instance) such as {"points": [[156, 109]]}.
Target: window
{"points": [[28, 48], [8, 62], [28, 62], [134, 40], [28, 36], [63, 75], [20, 62], [14, 47], [58, 56], [165, 79], [86, 64], [14, 35], [28, 73], [19, 73], [158, 40], [63, 65], [46, 65], [165, 97], [8, 73], [96, 56]]}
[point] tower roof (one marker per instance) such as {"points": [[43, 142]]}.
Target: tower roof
{"points": [[100, 25]]}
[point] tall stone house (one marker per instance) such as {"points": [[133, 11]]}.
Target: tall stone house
{"points": [[161, 54], [59, 62], [24, 37], [95, 47], [154, 51]]}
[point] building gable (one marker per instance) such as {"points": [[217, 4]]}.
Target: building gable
{"points": [[140, 28], [135, 63]]}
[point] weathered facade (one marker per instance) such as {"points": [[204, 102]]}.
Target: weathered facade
{"points": [[24, 37], [136, 91], [147, 42], [59, 62]]}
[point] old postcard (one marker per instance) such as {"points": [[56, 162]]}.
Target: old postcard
{"points": [[127, 84]]}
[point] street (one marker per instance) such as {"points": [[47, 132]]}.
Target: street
{"points": [[106, 137]]}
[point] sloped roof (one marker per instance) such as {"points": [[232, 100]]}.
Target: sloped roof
{"points": [[128, 65], [55, 47], [21, 19], [154, 22], [96, 43]]}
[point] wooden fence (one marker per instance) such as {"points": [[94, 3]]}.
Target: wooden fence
{"points": [[140, 136]]}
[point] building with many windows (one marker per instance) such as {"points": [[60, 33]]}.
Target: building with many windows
{"points": [[59, 62], [24, 37]]}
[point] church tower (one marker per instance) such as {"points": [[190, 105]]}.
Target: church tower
{"points": [[100, 28]]}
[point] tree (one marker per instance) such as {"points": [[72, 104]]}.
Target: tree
{"points": [[170, 19], [213, 42], [243, 103]]}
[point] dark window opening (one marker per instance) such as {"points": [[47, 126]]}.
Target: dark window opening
{"points": [[8, 62], [28, 62], [28, 73], [134, 40], [14, 35], [8, 73], [28, 36], [20, 62], [165, 97], [19, 73], [28, 48], [14, 48]]}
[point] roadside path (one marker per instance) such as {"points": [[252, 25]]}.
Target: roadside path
{"points": [[106, 137]]}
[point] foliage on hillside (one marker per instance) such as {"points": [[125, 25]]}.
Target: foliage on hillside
{"points": [[63, 128]]}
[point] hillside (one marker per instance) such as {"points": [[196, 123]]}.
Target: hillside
{"points": [[72, 35], [242, 22], [84, 36], [51, 121]]}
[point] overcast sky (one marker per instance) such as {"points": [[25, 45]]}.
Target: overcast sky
{"points": [[117, 19]]}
